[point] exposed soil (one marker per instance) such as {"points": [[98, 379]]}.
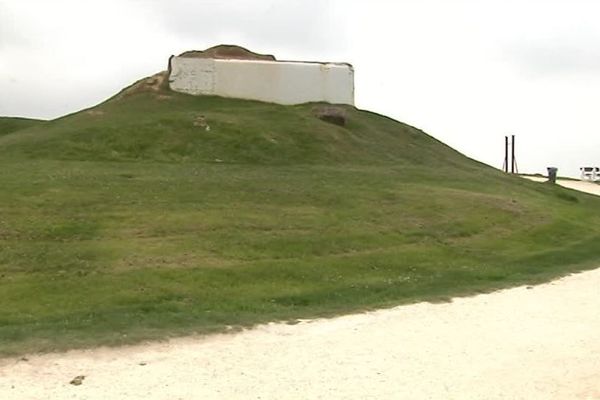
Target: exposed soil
{"points": [[225, 51], [157, 83]]}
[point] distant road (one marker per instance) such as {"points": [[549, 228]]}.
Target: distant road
{"points": [[588, 187]]}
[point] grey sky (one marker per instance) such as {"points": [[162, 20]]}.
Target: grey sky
{"points": [[466, 71]]}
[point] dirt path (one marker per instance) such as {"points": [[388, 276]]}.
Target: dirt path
{"points": [[539, 342], [589, 187], [582, 186]]}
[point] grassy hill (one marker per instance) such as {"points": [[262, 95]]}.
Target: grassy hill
{"points": [[128, 221], [151, 127], [14, 124]]}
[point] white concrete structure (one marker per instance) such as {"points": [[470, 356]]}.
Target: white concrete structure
{"points": [[282, 82], [590, 174]]}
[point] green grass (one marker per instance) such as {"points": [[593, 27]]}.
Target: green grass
{"points": [[13, 124], [117, 224]]}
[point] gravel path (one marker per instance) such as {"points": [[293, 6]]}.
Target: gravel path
{"points": [[541, 342]]}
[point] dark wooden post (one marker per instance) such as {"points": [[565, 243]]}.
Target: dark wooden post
{"points": [[513, 161]]}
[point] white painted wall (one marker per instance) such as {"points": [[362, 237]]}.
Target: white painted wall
{"points": [[283, 82]]}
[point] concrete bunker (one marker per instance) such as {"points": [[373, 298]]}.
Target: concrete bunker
{"points": [[232, 71]]}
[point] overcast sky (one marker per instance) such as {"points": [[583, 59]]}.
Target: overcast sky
{"points": [[468, 72]]}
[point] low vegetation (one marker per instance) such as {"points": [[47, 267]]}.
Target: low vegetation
{"points": [[10, 124], [156, 214]]}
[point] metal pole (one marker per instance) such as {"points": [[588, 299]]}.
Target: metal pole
{"points": [[513, 163], [505, 166]]}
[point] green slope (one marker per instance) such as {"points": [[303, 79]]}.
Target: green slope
{"points": [[150, 127], [14, 124], [126, 222]]}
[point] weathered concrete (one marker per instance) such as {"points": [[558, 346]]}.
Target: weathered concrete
{"points": [[282, 82]]}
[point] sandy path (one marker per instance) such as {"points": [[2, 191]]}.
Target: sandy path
{"points": [[589, 187], [523, 343], [582, 186], [536, 343]]}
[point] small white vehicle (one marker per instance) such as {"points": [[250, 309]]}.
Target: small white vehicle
{"points": [[590, 174]]}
